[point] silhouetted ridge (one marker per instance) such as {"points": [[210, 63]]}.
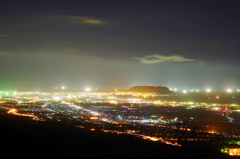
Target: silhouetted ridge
{"points": [[151, 89]]}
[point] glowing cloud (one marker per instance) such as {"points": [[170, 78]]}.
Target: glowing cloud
{"points": [[152, 59], [87, 20], [91, 21], [3, 36]]}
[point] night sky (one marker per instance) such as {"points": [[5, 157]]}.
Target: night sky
{"points": [[111, 44]]}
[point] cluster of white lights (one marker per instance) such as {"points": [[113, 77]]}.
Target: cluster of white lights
{"points": [[87, 89], [185, 91], [208, 90], [230, 90], [175, 89]]}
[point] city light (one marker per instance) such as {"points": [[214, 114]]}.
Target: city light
{"points": [[208, 90], [234, 151], [229, 90], [100, 109], [56, 98], [63, 87], [15, 112]]}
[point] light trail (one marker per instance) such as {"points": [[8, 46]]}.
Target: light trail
{"points": [[145, 137], [14, 112]]}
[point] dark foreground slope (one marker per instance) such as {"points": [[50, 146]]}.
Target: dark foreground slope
{"points": [[23, 138]]}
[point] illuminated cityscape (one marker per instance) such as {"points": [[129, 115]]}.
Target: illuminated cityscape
{"points": [[142, 115], [120, 79]]}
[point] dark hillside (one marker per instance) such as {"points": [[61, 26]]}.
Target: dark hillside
{"points": [[22, 137]]}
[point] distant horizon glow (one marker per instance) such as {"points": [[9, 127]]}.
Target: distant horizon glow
{"points": [[112, 90]]}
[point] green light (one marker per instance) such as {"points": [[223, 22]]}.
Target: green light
{"points": [[191, 118], [234, 142], [224, 150], [231, 142]]}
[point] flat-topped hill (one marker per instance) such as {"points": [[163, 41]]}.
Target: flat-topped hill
{"points": [[150, 89]]}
